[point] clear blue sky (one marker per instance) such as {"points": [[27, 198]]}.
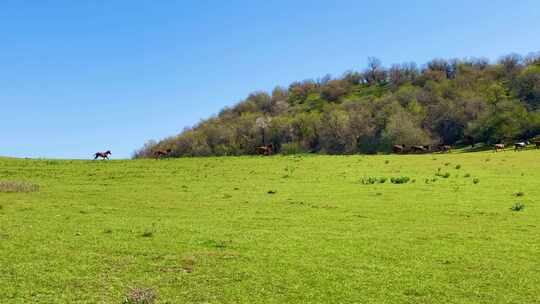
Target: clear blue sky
{"points": [[81, 76]]}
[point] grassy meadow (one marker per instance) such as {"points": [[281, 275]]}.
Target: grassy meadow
{"points": [[464, 228]]}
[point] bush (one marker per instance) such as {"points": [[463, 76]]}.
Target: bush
{"points": [[369, 180], [400, 180], [476, 180], [517, 207], [443, 175]]}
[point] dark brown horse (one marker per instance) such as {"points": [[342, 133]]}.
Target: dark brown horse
{"points": [[398, 149], [162, 153], [103, 155], [445, 148], [521, 145], [266, 150], [418, 149]]}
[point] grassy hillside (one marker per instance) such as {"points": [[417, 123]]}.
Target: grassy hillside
{"points": [[450, 102], [301, 229]]}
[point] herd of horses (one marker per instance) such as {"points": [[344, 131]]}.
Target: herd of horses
{"points": [[402, 149], [517, 146], [268, 150]]}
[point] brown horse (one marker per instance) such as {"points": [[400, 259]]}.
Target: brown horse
{"points": [[266, 150], [398, 149], [103, 155], [499, 147], [162, 153]]}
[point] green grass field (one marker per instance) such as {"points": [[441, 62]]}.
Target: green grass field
{"points": [[299, 229]]}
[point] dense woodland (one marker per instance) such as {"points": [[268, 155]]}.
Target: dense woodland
{"points": [[451, 102]]}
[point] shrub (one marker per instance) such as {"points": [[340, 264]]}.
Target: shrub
{"points": [[443, 175], [476, 180], [383, 180], [458, 167], [467, 175], [517, 207], [519, 194], [400, 180], [369, 180], [16, 186]]}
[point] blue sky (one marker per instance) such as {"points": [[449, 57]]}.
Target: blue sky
{"points": [[81, 76]]}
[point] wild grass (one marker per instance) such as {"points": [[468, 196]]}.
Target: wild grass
{"points": [[17, 186], [140, 296]]}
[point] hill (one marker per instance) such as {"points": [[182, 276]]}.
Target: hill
{"points": [[287, 229], [445, 102]]}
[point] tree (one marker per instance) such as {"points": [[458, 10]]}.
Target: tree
{"points": [[375, 74], [335, 89], [402, 129]]}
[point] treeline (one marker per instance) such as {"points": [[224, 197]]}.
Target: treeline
{"points": [[449, 102]]}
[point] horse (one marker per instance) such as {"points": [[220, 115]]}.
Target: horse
{"points": [[418, 149], [499, 147], [266, 150], [520, 145], [162, 153], [445, 148], [537, 144], [103, 155], [398, 149]]}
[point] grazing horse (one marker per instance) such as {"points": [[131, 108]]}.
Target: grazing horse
{"points": [[398, 149], [266, 150], [418, 149], [520, 145], [499, 147], [103, 155], [162, 153]]}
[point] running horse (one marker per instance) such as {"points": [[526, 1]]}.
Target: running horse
{"points": [[103, 155], [162, 153]]}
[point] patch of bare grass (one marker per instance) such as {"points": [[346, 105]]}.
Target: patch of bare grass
{"points": [[17, 187]]}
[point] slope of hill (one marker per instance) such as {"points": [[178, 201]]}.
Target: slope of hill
{"points": [[446, 101], [294, 229]]}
